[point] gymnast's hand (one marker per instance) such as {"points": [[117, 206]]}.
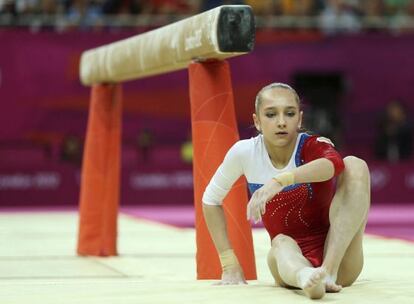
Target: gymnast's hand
{"points": [[232, 276], [257, 204]]}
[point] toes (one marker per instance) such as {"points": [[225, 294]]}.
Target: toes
{"points": [[338, 287], [333, 288], [314, 280]]}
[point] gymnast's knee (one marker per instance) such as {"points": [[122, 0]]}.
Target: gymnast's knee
{"points": [[356, 168]]}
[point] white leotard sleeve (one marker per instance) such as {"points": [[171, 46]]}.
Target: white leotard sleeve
{"points": [[224, 178]]}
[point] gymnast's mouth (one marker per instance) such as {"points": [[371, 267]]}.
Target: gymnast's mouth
{"points": [[281, 133]]}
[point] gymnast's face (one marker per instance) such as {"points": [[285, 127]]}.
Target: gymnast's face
{"points": [[278, 117]]}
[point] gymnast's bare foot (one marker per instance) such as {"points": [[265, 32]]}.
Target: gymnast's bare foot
{"points": [[330, 284], [311, 281]]}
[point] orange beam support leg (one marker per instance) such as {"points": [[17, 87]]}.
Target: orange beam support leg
{"points": [[100, 179], [214, 131]]}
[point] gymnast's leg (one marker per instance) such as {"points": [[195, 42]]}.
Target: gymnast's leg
{"points": [[290, 268], [343, 255]]}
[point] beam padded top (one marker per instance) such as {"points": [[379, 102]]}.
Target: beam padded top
{"points": [[220, 33]]}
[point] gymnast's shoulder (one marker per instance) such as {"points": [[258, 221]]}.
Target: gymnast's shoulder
{"points": [[246, 147]]}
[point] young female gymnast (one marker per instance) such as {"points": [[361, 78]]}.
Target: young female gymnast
{"points": [[315, 225]]}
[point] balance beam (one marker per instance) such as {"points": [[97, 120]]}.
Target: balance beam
{"points": [[220, 33]]}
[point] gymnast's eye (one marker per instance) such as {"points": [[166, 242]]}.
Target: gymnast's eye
{"points": [[270, 114], [291, 114]]}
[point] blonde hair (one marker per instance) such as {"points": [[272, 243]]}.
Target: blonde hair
{"points": [[273, 85]]}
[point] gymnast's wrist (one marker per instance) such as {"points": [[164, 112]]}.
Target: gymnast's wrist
{"points": [[228, 259], [285, 179]]}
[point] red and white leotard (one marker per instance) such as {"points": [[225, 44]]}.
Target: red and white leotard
{"points": [[300, 211]]}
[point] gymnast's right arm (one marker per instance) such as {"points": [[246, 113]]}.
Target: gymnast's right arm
{"points": [[220, 184]]}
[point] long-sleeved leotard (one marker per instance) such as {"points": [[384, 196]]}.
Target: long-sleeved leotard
{"points": [[300, 211]]}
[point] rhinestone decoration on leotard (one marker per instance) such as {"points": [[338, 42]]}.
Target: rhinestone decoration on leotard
{"points": [[300, 216], [300, 197], [310, 190], [294, 199]]}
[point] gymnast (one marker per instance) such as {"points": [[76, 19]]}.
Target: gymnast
{"points": [[313, 203]]}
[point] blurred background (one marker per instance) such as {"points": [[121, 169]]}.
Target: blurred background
{"points": [[351, 62]]}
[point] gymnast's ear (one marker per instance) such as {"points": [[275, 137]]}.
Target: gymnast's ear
{"points": [[257, 123], [300, 120]]}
